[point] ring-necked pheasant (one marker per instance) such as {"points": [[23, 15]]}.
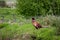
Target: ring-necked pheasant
{"points": [[36, 24]]}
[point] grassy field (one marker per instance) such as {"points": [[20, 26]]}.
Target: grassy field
{"points": [[17, 27], [27, 32]]}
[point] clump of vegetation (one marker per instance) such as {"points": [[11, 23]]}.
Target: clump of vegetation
{"points": [[8, 31], [2, 25]]}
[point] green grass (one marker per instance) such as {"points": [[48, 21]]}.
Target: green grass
{"points": [[12, 30], [6, 11], [43, 33], [8, 31]]}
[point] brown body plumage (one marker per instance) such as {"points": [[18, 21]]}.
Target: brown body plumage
{"points": [[36, 24]]}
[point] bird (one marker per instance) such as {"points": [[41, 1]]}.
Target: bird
{"points": [[36, 24]]}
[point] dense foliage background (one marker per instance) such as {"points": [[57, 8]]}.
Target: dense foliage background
{"points": [[38, 7]]}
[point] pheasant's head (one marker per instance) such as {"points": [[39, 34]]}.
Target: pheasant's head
{"points": [[33, 19]]}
